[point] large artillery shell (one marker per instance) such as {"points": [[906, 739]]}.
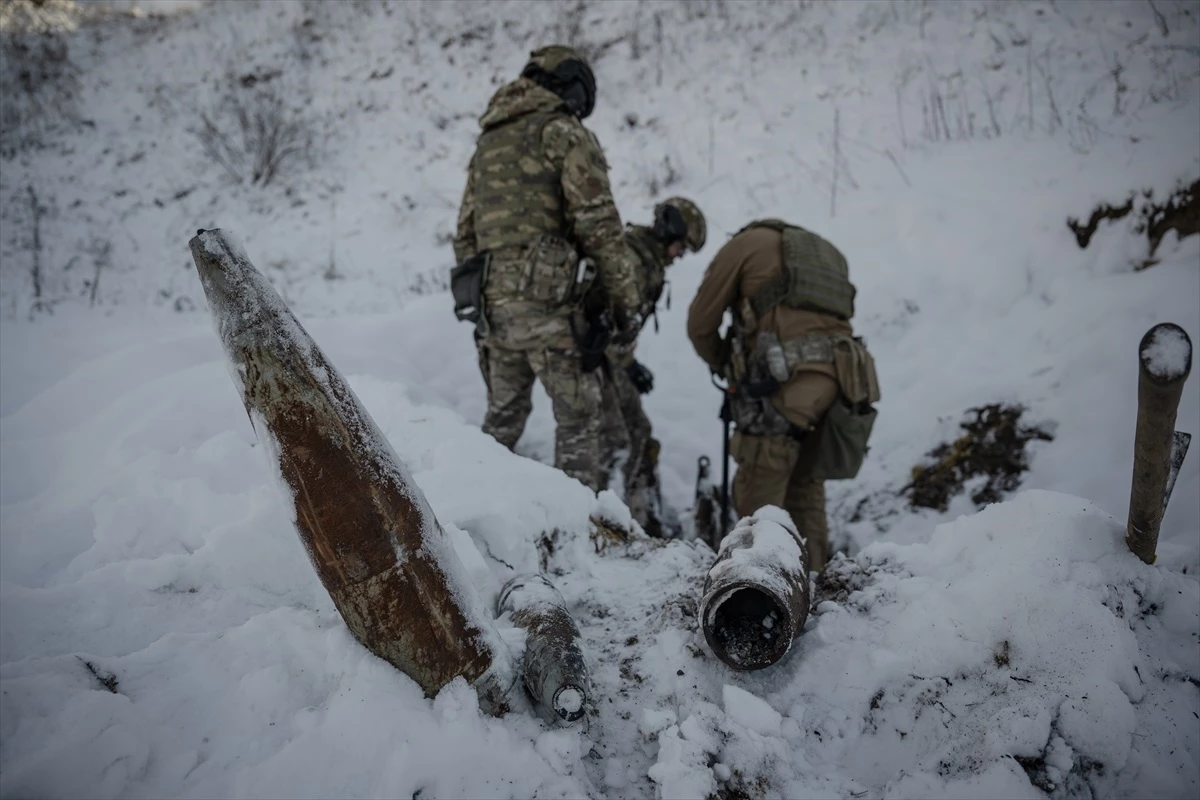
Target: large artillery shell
{"points": [[374, 541], [1164, 362], [756, 594], [555, 671]]}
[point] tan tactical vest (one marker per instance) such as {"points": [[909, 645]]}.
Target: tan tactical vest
{"points": [[815, 275], [518, 195]]}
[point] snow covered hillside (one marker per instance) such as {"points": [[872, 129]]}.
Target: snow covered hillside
{"points": [[161, 630]]}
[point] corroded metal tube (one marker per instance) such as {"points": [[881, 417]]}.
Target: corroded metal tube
{"points": [[555, 671], [756, 594], [1164, 363], [375, 543]]}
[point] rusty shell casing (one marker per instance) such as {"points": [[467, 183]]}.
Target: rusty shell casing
{"points": [[756, 594], [554, 669], [1161, 376], [371, 536]]}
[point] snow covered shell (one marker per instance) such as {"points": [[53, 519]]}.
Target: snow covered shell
{"points": [[756, 594], [554, 667]]}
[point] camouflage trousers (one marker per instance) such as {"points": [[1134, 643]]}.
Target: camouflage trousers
{"points": [[574, 395], [772, 472], [629, 454]]}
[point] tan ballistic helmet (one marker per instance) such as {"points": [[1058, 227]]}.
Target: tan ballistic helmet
{"points": [[697, 229]]}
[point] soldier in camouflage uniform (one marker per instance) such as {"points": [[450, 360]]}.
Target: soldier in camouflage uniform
{"points": [[792, 301], [628, 448], [538, 199]]}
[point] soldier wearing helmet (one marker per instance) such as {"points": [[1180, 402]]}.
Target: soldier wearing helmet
{"points": [[537, 201], [678, 226], [799, 383]]}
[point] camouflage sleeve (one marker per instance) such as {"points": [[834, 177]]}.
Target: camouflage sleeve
{"points": [[464, 237], [591, 213]]}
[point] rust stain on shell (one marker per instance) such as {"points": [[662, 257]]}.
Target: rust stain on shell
{"points": [[367, 533], [753, 605]]}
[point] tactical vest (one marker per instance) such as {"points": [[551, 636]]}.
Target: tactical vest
{"points": [[815, 275], [518, 195]]}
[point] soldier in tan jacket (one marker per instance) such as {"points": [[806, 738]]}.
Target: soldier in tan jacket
{"points": [[792, 301]]}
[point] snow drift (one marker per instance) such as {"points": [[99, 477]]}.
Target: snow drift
{"points": [[161, 631]]}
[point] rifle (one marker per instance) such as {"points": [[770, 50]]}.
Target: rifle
{"points": [[712, 505], [594, 340], [711, 524], [704, 509], [726, 418]]}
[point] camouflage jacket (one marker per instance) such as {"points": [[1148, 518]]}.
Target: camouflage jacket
{"points": [[652, 277], [589, 214]]}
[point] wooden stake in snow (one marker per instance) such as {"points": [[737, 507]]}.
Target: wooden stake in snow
{"points": [[376, 546], [1165, 361]]}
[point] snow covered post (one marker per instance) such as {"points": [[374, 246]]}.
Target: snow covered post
{"points": [[554, 669], [1165, 360], [756, 594], [374, 541]]}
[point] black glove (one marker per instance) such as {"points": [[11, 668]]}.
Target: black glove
{"points": [[592, 360], [594, 341], [642, 378]]}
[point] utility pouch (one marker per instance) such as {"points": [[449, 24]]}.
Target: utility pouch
{"points": [[841, 440], [855, 368], [550, 271], [466, 284]]}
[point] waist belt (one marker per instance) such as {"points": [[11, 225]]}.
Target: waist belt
{"points": [[815, 348]]}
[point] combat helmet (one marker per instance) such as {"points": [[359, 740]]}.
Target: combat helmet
{"points": [[562, 70], [678, 218]]}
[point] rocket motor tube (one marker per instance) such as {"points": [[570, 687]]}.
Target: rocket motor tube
{"points": [[755, 599], [554, 669]]}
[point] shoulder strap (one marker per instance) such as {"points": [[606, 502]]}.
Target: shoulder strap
{"points": [[771, 222]]}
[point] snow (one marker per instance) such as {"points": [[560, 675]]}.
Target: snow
{"points": [[1015, 651], [759, 561], [751, 712], [1168, 354], [767, 539], [568, 700]]}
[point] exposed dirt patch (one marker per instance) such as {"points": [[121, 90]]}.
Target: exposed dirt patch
{"points": [[106, 679], [993, 445], [1179, 212]]}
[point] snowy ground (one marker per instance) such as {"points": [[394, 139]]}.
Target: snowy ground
{"points": [[1011, 652]]}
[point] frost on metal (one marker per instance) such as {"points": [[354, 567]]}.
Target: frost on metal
{"points": [[554, 669], [368, 530], [756, 594]]}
